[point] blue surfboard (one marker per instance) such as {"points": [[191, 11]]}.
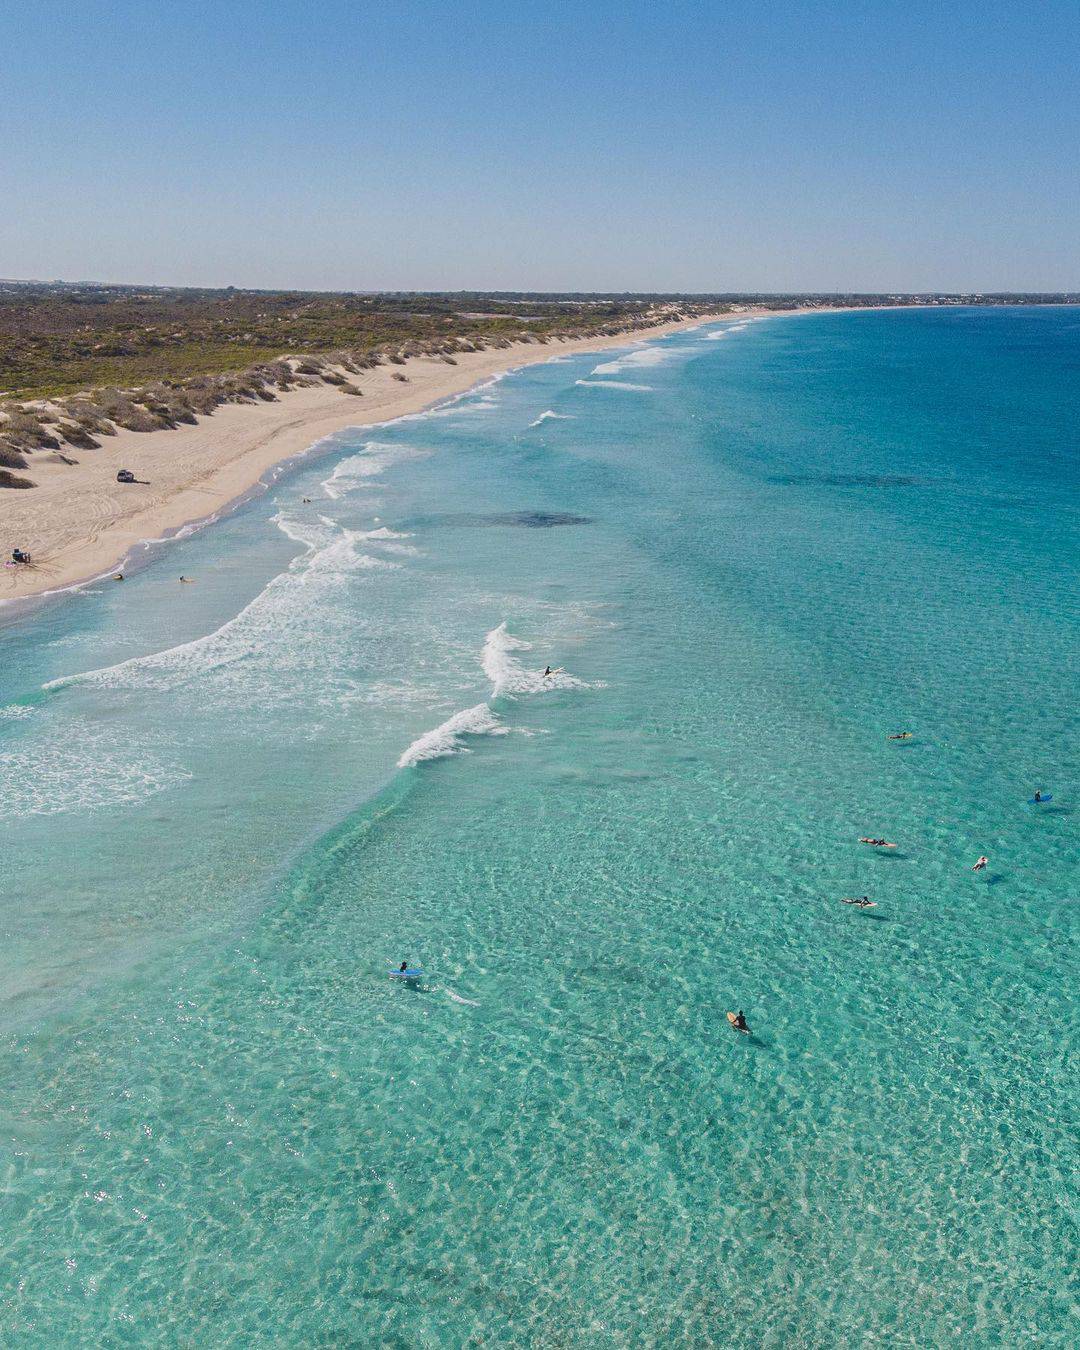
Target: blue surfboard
{"points": [[409, 974], [1048, 798]]}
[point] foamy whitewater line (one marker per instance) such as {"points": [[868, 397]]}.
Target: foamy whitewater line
{"points": [[479, 405], [509, 676], [365, 465], [446, 738], [640, 358], [456, 403], [733, 328], [550, 415], [616, 384], [329, 554]]}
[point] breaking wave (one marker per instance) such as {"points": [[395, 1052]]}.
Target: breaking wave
{"points": [[508, 676], [365, 467], [616, 384], [723, 332], [474, 399], [446, 739], [641, 358], [292, 643], [550, 415]]}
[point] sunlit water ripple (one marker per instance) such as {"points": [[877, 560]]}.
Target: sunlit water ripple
{"points": [[230, 809]]}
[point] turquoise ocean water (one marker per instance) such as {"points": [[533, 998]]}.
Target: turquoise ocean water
{"points": [[227, 809]]}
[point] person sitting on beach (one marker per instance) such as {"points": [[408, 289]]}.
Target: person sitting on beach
{"points": [[19, 556], [877, 843], [981, 863]]}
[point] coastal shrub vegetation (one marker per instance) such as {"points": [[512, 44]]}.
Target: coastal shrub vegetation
{"points": [[79, 361]]}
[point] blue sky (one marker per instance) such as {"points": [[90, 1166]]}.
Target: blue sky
{"points": [[546, 146]]}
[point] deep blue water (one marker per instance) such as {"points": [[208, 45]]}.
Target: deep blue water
{"points": [[227, 809]]}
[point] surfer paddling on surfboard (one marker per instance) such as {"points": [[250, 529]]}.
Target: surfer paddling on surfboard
{"points": [[900, 736], [551, 670], [863, 901], [877, 843], [738, 1021], [981, 863]]}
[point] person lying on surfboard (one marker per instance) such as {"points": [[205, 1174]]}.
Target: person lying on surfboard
{"points": [[981, 863], [738, 1021], [863, 901], [877, 843], [900, 736]]}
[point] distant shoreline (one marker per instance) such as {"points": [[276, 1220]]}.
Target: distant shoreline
{"points": [[79, 525]]}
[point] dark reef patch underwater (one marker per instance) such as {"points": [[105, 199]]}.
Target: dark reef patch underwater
{"points": [[478, 520]]}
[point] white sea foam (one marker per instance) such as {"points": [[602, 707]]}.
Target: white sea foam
{"points": [[484, 404], [446, 739], [15, 711], [509, 676], [389, 541], [469, 1002], [641, 358], [724, 332], [293, 642], [551, 415], [84, 769], [616, 384], [475, 399], [365, 466]]}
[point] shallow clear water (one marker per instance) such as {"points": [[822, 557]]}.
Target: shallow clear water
{"points": [[227, 809]]}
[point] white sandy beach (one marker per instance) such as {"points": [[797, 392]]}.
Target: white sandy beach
{"points": [[78, 522]]}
